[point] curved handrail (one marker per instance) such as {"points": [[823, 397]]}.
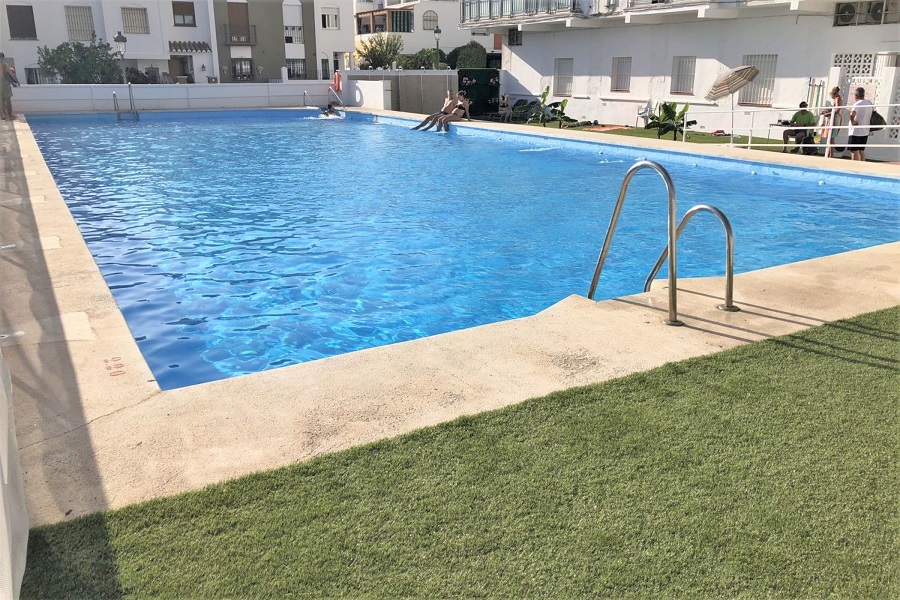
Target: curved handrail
{"points": [[115, 103], [131, 98], [333, 93], [671, 249], [305, 96], [729, 253]]}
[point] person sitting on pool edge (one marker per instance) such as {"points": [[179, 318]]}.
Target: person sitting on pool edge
{"points": [[505, 111], [462, 108], [801, 117], [431, 120]]}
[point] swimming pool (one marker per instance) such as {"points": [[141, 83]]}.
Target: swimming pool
{"points": [[236, 242]]}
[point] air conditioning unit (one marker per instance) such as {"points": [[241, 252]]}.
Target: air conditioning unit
{"points": [[875, 12], [845, 14]]}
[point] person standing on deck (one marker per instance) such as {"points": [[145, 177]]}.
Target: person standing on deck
{"points": [[860, 115]]}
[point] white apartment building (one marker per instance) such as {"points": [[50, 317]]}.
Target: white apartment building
{"points": [[613, 58], [415, 23], [187, 41]]}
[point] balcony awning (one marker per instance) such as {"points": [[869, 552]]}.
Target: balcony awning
{"points": [[189, 47]]}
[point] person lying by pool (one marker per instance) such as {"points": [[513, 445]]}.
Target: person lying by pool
{"points": [[462, 108], [431, 120]]}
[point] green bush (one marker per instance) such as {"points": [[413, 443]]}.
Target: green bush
{"points": [[422, 59], [472, 56], [380, 50]]}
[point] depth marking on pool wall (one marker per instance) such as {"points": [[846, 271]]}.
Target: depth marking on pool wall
{"points": [[115, 366]]}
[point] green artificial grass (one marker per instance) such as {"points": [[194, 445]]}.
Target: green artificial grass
{"points": [[698, 137], [769, 470]]}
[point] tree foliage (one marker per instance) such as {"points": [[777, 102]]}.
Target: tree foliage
{"points": [[670, 119], [453, 56], [74, 62], [472, 56], [553, 111], [380, 50], [423, 59]]}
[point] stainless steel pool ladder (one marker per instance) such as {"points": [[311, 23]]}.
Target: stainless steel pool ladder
{"points": [[132, 113], [670, 251], [305, 96], [333, 93], [729, 253]]}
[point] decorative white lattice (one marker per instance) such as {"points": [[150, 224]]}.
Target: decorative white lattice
{"points": [[856, 64]]}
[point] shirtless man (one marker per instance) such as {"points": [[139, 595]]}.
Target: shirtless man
{"points": [[431, 120]]}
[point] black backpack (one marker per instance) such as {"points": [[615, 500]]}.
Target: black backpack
{"points": [[875, 120]]}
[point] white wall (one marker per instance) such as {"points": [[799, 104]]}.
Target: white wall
{"points": [[99, 98], [805, 46], [329, 41], [13, 517], [292, 15]]}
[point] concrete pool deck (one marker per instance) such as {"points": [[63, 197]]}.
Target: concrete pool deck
{"points": [[95, 432]]}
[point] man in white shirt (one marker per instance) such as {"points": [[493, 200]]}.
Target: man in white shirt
{"points": [[860, 115]]}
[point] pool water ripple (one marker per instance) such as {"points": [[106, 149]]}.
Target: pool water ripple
{"points": [[246, 241]]}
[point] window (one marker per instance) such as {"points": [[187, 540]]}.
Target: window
{"points": [[563, 68], [296, 68], [80, 23], [293, 34], [759, 91], [184, 14], [402, 21], [621, 74], [325, 74], [515, 37], [21, 22], [241, 69], [683, 74], [331, 18], [134, 20], [429, 20], [34, 76]]}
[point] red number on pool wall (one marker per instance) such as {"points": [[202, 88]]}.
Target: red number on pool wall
{"points": [[115, 366]]}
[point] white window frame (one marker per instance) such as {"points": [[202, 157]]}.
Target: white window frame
{"points": [[429, 20], [563, 75], [80, 23], [760, 91], [331, 17], [620, 81], [683, 70], [135, 20]]}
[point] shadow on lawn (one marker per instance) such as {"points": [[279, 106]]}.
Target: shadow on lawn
{"points": [[72, 560]]}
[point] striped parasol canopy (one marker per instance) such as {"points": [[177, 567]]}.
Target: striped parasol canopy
{"points": [[731, 81]]}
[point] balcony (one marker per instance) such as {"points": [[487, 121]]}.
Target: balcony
{"points": [[473, 11], [240, 36]]}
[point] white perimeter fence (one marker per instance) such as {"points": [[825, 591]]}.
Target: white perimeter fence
{"points": [[763, 123], [14, 525], [86, 98]]}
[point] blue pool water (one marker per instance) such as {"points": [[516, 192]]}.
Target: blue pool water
{"points": [[236, 242]]}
